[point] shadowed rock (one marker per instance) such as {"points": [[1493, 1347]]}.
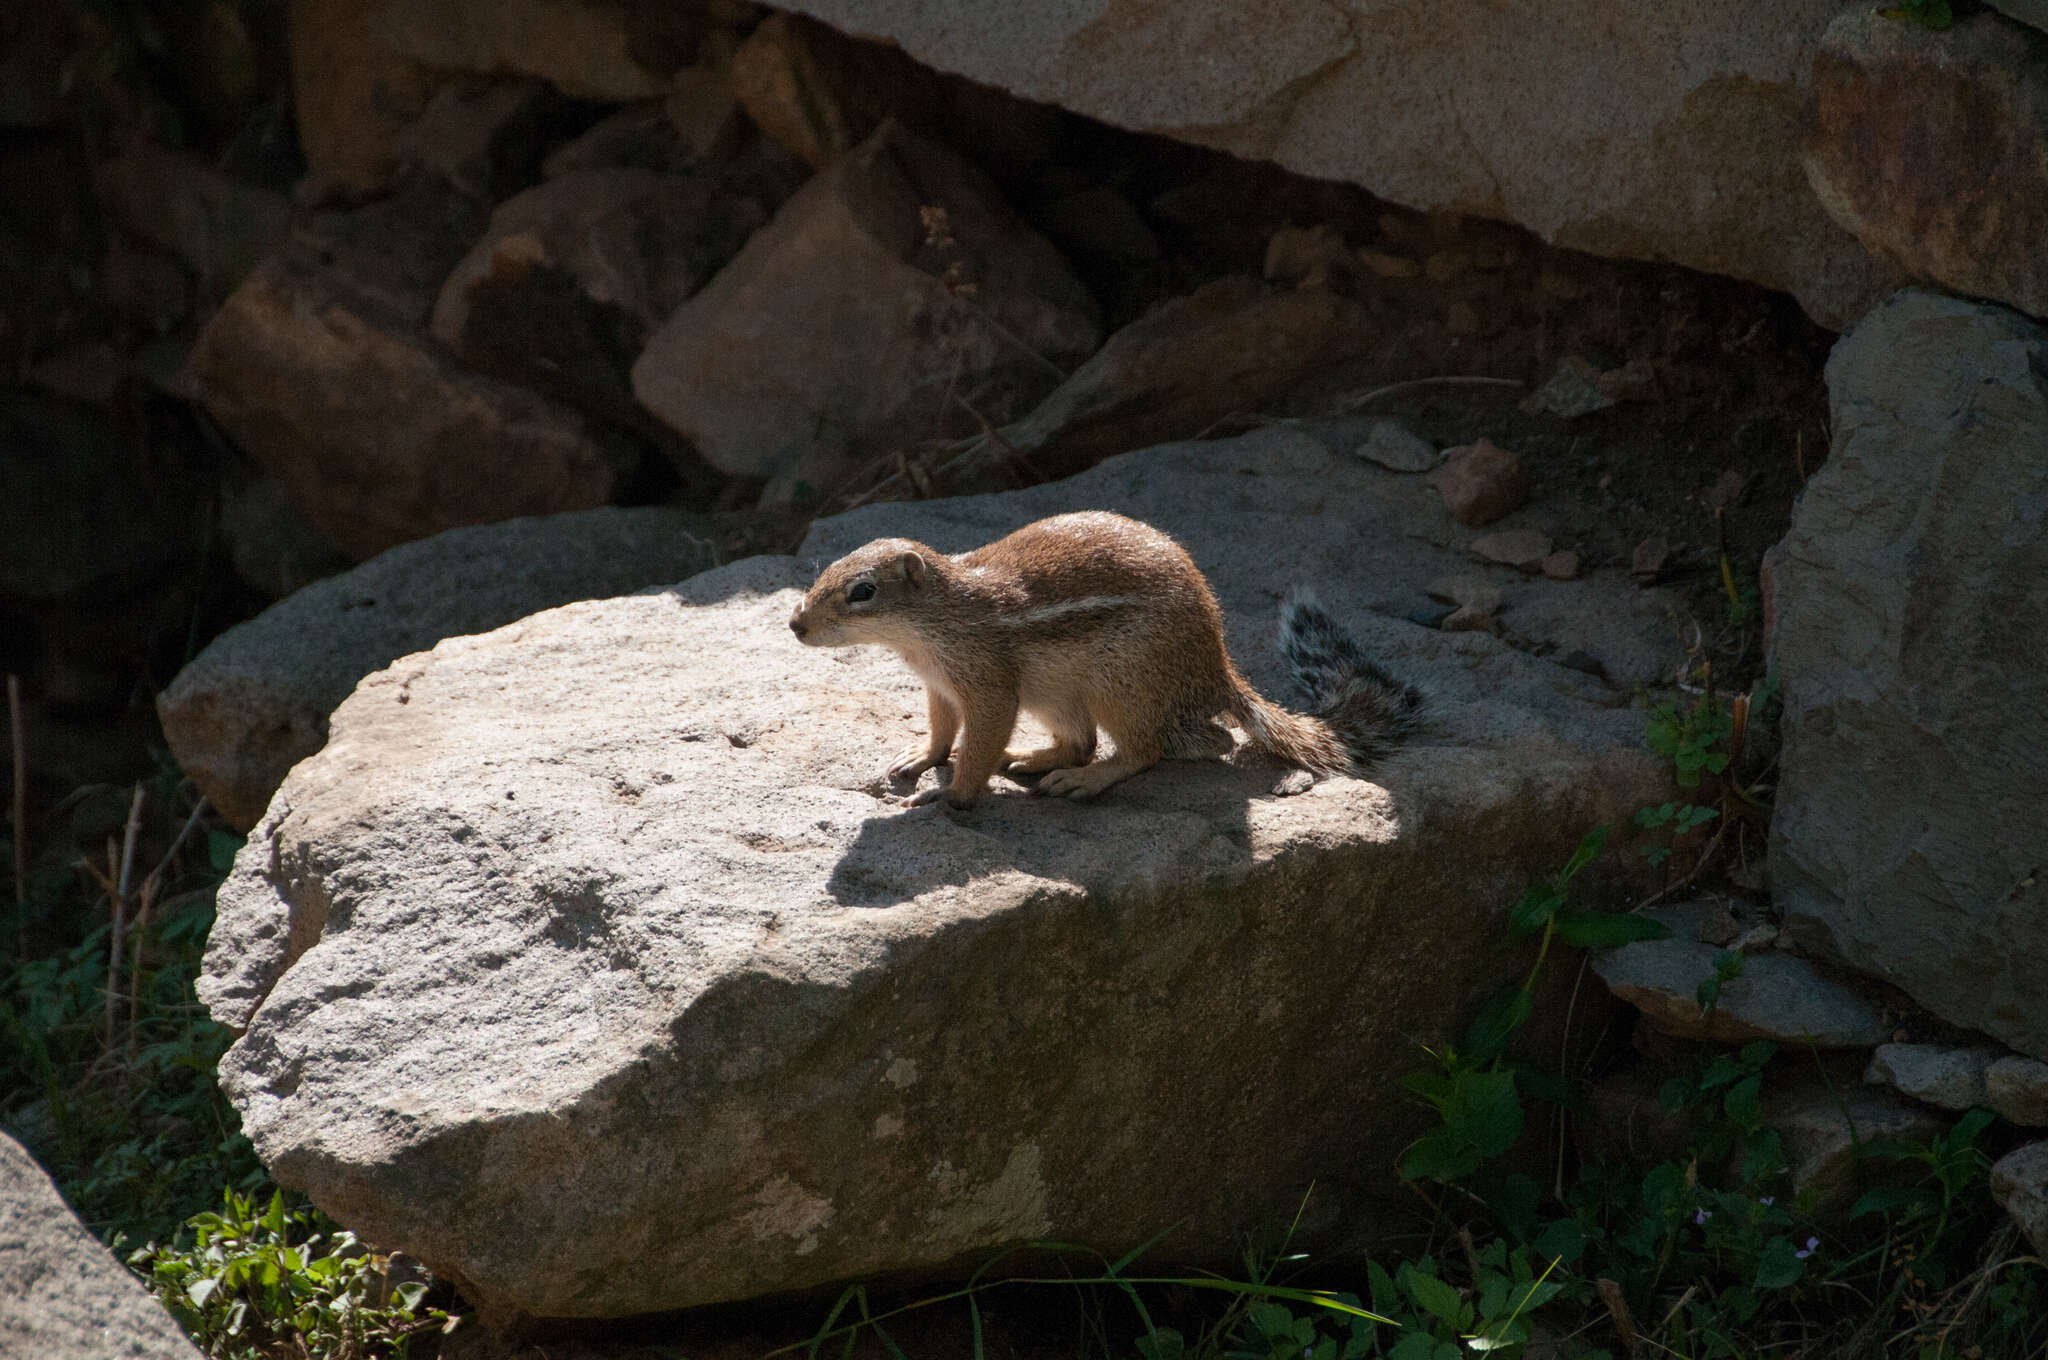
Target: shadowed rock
{"points": [[904, 294], [1907, 613], [63, 1296], [1662, 134], [590, 963], [1933, 148]]}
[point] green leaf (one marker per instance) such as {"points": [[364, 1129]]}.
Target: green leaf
{"points": [[1384, 1297], [1779, 1266], [1590, 846], [1605, 929], [1422, 1346], [201, 1289], [221, 848], [1504, 1013], [1537, 906], [1742, 1101], [1563, 1239], [1439, 1156], [1435, 1297]]}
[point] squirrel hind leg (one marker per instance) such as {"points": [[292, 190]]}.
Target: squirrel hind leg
{"points": [[1136, 749], [1200, 739], [1073, 742]]}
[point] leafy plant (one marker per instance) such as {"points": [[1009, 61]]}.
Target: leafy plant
{"points": [[1678, 819], [282, 1281], [1728, 965], [106, 1060], [1688, 738]]}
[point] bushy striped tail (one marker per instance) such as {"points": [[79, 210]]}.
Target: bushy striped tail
{"points": [[1357, 713]]}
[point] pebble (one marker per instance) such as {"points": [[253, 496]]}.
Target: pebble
{"points": [[1394, 447]]}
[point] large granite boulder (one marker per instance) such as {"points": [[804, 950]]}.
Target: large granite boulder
{"points": [[592, 962], [255, 702], [63, 1296], [1907, 612], [1643, 131]]}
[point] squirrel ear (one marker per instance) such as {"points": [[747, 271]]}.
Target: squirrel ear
{"points": [[912, 566]]}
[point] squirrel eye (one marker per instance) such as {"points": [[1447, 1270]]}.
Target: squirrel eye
{"points": [[860, 590]]}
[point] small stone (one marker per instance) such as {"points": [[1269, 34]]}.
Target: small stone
{"points": [[1394, 447], [1562, 565], [2017, 1088], [1522, 549], [1940, 1074], [1480, 483], [1650, 558], [1385, 266], [1824, 1130], [1777, 996], [1430, 616], [1469, 619], [2019, 1182], [1467, 588], [1573, 390]]}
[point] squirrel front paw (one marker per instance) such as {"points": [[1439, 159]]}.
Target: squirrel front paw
{"points": [[935, 793], [913, 761]]}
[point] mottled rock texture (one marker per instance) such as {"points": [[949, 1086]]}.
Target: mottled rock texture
{"points": [[63, 1296], [1907, 613], [1666, 132], [1932, 147], [590, 962], [255, 702]]}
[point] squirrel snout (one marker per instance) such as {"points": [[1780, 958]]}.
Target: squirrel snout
{"points": [[796, 621]]}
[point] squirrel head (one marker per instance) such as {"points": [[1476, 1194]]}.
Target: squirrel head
{"points": [[872, 594]]}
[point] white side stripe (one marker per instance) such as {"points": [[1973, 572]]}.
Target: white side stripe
{"points": [[1088, 604]]}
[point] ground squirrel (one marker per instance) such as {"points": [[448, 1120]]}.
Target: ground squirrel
{"points": [[1084, 621]]}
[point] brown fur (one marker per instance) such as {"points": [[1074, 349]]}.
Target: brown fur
{"points": [[1084, 621]]}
